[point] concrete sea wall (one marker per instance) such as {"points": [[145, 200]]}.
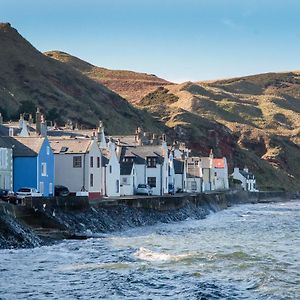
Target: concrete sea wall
{"points": [[43, 220]]}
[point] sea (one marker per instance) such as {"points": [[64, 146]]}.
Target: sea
{"points": [[245, 252]]}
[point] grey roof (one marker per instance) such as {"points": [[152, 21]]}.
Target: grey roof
{"points": [[24, 146], [4, 129], [178, 166], [4, 143], [140, 154], [247, 174], [106, 155], [126, 168]]}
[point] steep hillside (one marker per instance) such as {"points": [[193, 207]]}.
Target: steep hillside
{"points": [[29, 79], [132, 86], [261, 112]]}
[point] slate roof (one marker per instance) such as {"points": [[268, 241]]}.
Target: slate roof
{"points": [[106, 155], [125, 140], [4, 129], [178, 166], [126, 168], [24, 146], [247, 175], [140, 153], [70, 146], [4, 143]]}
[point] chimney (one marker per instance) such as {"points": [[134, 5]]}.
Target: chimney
{"points": [[246, 169], [11, 131], [43, 126], [111, 145], [138, 136], [21, 120], [30, 120], [94, 134], [38, 119], [24, 132], [1, 119], [101, 136], [119, 147]]}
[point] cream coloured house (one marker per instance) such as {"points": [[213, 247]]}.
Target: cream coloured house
{"points": [[78, 165], [6, 166]]}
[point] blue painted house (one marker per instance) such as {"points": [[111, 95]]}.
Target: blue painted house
{"points": [[33, 164]]}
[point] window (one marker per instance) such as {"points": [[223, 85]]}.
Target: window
{"points": [[128, 159], [110, 169], [3, 158], [98, 162], [193, 185], [91, 180], [77, 163], [44, 169], [42, 187], [48, 150], [92, 162], [151, 162], [152, 181], [125, 180], [50, 188], [117, 186]]}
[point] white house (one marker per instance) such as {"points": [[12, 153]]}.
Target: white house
{"points": [[193, 175], [78, 165], [221, 173], [246, 178], [110, 170], [177, 173], [150, 164], [208, 173], [127, 186], [6, 166]]}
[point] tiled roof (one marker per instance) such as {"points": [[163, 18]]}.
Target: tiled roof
{"points": [[219, 163], [70, 146], [24, 146]]}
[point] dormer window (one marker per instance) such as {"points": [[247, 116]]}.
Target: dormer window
{"points": [[128, 159], [151, 162]]}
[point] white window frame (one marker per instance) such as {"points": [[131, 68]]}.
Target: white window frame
{"points": [[44, 169]]}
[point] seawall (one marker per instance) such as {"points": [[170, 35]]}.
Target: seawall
{"points": [[44, 220]]}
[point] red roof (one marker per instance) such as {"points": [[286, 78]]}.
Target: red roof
{"points": [[219, 163]]}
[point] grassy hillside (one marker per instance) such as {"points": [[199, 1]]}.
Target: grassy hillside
{"points": [[133, 86], [261, 112], [29, 79], [253, 120]]}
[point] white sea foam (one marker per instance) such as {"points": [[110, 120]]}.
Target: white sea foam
{"points": [[93, 266], [148, 255]]}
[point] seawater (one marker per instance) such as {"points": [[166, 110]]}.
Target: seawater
{"points": [[245, 252]]}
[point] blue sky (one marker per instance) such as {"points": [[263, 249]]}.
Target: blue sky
{"points": [[177, 40]]}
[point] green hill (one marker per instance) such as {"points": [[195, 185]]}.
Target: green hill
{"points": [[29, 78], [132, 86]]}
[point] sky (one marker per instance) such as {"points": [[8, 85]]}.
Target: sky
{"points": [[178, 40]]}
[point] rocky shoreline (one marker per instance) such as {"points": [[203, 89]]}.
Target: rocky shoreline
{"points": [[22, 227]]}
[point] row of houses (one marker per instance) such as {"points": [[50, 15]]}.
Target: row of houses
{"points": [[89, 163]]}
